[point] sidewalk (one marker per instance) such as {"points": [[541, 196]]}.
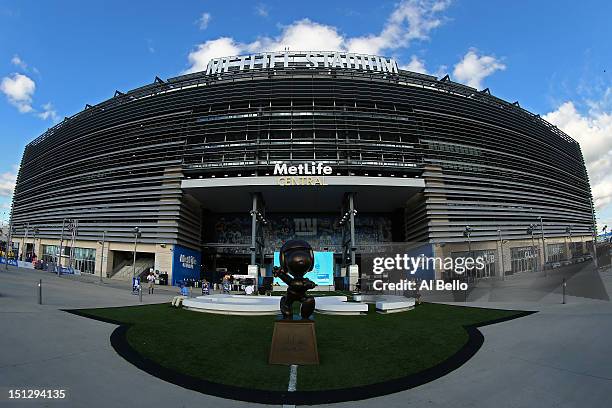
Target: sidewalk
{"points": [[45, 347], [558, 357], [117, 283]]}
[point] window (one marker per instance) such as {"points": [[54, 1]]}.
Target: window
{"points": [[523, 259], [576, 249], [84, 259], [488, 255], [555, 252]]}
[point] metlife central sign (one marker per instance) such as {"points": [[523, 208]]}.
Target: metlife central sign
{"points": [[310, 59], [304, 174]]}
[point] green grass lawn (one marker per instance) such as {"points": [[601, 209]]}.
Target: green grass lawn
{"points": [[353, 350]]}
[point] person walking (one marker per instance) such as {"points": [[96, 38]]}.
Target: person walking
{"points": [[226, 284], [151, 280], [205, 287]]}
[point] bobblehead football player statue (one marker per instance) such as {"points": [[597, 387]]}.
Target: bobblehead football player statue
{"points": [[296, 259]]}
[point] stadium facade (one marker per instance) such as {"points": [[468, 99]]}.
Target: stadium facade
{"points": [[218, 168]]}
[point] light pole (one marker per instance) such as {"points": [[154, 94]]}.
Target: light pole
{"points": [[74, 227], [3, 237], [568, 230], [61, 244], [595, 246], [607, 247], [8, 243], [102, 254], [36, 232], [501, 253], [25, 241], [467, 232], [136, 235], [543, 242], [530, 232]]}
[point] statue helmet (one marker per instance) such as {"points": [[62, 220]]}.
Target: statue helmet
{"points": [[295, 244]]}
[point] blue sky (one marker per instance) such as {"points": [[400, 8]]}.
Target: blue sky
{"points": [[553, 57]]}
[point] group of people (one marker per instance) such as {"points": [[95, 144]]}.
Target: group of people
{"points": [[228, 280], [151, 278], [226, 286], [184, 292]]}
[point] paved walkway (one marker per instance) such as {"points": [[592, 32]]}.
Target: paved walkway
{"points": [[44, 347], [559, 357]]}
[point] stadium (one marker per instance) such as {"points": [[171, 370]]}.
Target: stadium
{"points": [[209, 173]]}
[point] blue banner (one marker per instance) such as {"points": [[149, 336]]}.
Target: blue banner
{"points": [[10, 261], [185, 264]]}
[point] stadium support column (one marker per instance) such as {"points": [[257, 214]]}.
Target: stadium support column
{"points": [[352, 225], [254, 230], [258, 219], [347, 222]]}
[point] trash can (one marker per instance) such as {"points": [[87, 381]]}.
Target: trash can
{"points": [[163, 279]]}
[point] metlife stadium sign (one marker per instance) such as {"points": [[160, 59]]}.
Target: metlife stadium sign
{"points": [[310, 59]]}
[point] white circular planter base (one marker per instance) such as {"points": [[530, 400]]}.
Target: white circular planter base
{"points": [[242, 305]]}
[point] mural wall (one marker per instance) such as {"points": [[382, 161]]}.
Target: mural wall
{"points": [[321, 231]]}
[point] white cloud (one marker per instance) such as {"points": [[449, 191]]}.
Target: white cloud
{"points": [[415, 65], [410, 20], [7, 183], [48, 112], [150, 46], [593, 130], [18, 62], [221, 47], [261, 10], [441, 71], [19, 90], [474, 68], [22, 65], [301, 35], [204, 20]]}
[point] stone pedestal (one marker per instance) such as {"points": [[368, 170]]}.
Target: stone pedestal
{"points": [[294, 342]]}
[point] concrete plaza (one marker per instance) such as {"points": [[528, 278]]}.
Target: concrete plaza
{"points": [[559, 357]]}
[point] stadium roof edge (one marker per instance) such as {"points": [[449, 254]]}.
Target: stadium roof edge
{"points": [[424, 80]]}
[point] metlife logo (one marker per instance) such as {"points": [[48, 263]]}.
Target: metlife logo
{"points": [[303, 174], [187, 261]]}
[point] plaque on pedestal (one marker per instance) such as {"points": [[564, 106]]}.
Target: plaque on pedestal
{"points": [[294, 342]]}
